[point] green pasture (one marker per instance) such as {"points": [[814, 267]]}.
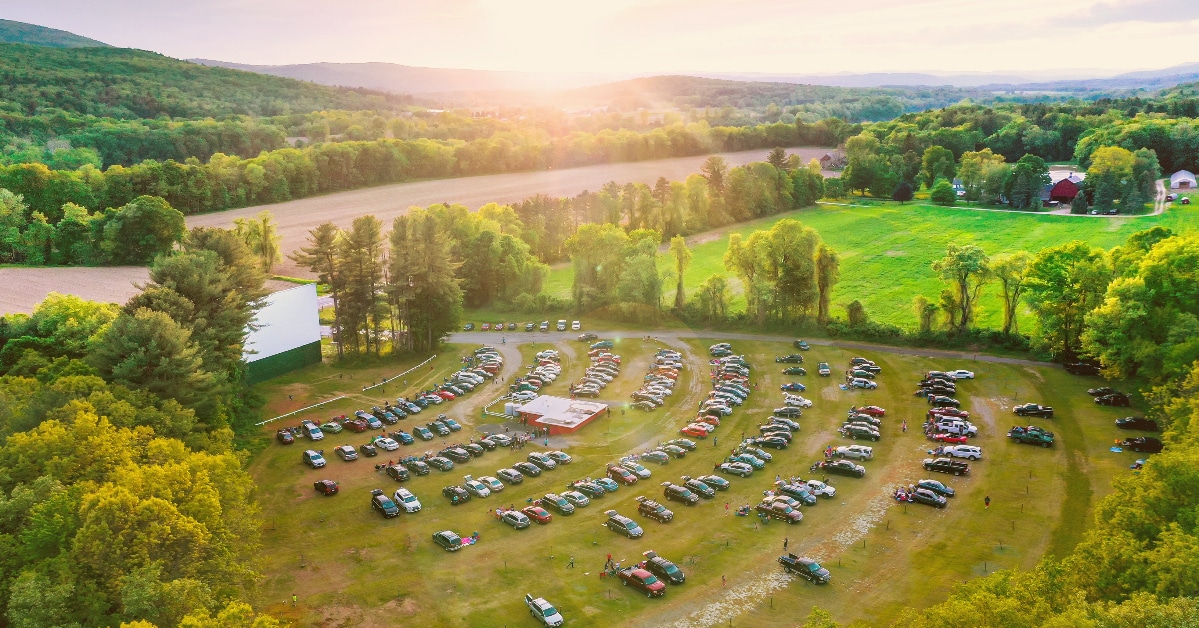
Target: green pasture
{"points": [[887, 251]]}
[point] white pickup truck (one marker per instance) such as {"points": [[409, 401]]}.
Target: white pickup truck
{"points": [[543, 611]]}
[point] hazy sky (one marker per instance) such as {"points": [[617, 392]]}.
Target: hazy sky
{"points": [[797, 36]]}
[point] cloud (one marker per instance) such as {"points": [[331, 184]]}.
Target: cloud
{"points": [[1154, 11]]}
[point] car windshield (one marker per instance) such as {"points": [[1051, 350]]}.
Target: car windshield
{"points": [[671, 568], [814, 567], [549, 611], [408, 499], [632, 525], [651, 579]]}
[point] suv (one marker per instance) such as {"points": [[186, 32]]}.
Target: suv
{"points": [[346, 452], [561, 325], [823, 369], [382, 503], [313, 458], [543, 611], [1033, 409], [406, 500], [623, 525], [663, 568], [556, 503], [653, 510], [681, 493]]}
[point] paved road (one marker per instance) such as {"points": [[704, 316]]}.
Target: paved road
{"points": [[297, 217], [494, 339]]}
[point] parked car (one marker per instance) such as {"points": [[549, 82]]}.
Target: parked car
{"points": [[674, 492], [1113, 399], [944, 402], [1137, 423], [925, 496], [735, 468], [1102, 390], [285, 437], [843, 467], [778, 510], [855, 452], [382, 504], [867, 384], [824, 369], [399, 473], [527, 468], [643, 581], [326, 487], [1142, 444], [805, 568], [856, 431], [1031, 435], [946, 465], [406, 500], [968, 452], [416, 466], [623, 525], [543, 611], [456, 494], [448, 540], [793, 358], [664, 569], [515, 518], [1081, 368], [1033, 409], [313, 458], [936, 487]]}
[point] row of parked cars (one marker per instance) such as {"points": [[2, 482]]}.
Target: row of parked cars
{"points": [[659, 381], [949, 425], [1143, 444], [605, 367], [547, 369], [543, 326]]}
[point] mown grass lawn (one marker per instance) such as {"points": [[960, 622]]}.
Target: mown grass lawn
{"points": [[350, 567], [887, 251]]}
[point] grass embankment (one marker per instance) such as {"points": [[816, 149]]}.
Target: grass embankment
{"points": [[361, 569], [887, 251]]}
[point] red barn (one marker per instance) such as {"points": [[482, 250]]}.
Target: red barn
{"points": [[1065, 190]]}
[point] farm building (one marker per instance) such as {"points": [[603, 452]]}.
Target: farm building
{"points": [[1182, 180], [1063, 186], [559, 414]]}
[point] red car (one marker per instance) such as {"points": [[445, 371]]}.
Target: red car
{"points": [[871, 410], [444, 394], [326, 487], [950, 438], [486, 327], [643, 580], [285, 437], [621, 475], [957, 412], [710, 420], [693, 432], [355, 425], [538, 514]]}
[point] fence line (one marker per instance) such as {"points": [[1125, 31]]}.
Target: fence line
{"points": [[284, 416], [395, 377]]}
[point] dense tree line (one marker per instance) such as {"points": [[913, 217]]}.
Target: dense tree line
{"points": [[122, 498]]}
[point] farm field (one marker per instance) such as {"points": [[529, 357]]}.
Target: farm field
{"points": [[359, 569], [887, 251], [297, 218]]}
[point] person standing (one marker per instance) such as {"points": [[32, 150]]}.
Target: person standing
{"points": [[987, 502], [785, 542], [905, 425], [294, 599], [571, 564]]}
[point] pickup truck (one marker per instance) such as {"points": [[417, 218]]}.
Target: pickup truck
{"points": [[945, 465], [543, 611], [805, 568], [642, 580], [1031, 436]]}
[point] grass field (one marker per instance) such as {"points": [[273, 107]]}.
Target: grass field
{"points": [[887, 252], [350, 567]]}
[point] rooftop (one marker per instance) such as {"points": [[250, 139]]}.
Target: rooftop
{"points": [[562, 412]]}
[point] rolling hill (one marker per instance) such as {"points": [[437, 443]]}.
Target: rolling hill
{"points": [[12, 32]]}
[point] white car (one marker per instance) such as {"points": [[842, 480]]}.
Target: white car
{"points": [[406, 500], [856, 452], [492, 483], [524, 395], [576, 326], [475, 487], [859, 382], [961, 374], [543, 611], [816, 487], [957, 427], [797, 401], [969, 452], [387, 444]]}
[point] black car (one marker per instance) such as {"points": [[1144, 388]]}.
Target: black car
{"points": [[800, 492], [1143, 444], [776, 431], [673, 450], [925, 496], [844, 467], [785, 421], [417, 466], [590, 489], [794, 358], [1033, 409], [664, 569], [685, 443], [700, 488], [805, 568], [935, 389], [772, 442], [488, 444], [556, 503], [1103, 390], [623, 525], [653, 510], [398, 473], [1081, 368], [936, 487], [674, 492], [382, 503], [859, 361], [474, 449], [456, 494], [789, 412], [527, 468], [715, 481], [441, 464], [1137, 423], [448, 540], [530, 327], [457, 454], [944, 402], [388, 417], [946, 465], [368, 450], [440, 428], [1114, 399]]}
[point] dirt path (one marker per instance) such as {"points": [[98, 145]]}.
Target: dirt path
{"points": [[297, 217]]}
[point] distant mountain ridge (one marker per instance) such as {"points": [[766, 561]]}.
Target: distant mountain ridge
{"points": [[12, 32]]}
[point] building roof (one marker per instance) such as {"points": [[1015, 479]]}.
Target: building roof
{"points": [[1182, 175], [1058, 175], [562, 412]]}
